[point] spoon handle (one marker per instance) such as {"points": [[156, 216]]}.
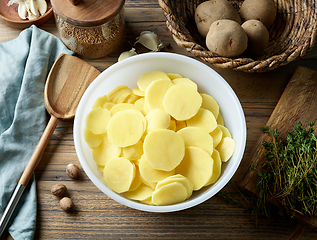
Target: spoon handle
{"points": [[10, 207], [38, 152], [25, 178]]}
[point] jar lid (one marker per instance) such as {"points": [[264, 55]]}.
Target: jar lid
{"points": [[87, 13]]}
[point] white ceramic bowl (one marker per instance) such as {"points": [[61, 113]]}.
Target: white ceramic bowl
{"points": [[127, 72]]}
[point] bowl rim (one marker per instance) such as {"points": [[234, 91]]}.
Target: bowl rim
{"points": [[140, 206]]}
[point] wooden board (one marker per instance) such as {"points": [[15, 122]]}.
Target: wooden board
{"points": [[297, 103]]}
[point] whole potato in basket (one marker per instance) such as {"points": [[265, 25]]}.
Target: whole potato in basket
{"points": [[210, 11]]}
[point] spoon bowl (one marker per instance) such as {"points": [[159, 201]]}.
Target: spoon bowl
{"points": [[62, 96]]}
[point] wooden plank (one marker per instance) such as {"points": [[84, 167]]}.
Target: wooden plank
{"points": [[297, 103]]}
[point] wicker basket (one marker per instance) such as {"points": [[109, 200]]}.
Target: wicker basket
{"points": [[292, 34]]}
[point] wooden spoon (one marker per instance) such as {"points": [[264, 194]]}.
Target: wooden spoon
{"points": [[65, 85]]}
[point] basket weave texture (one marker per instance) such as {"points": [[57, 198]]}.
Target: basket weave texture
{"points": [[292, 34]]}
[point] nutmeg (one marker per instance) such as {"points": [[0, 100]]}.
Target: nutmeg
{"points": [[59, 190], [66, 204], [73, 171]]}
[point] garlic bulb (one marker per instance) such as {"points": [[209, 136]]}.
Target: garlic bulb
{"points": [[127, 54], [30, 9], [150, 40]]}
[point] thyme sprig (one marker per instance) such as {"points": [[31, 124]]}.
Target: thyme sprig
{"points": [[289, 175]]}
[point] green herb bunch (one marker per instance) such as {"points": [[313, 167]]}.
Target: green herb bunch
{"points": [[290, 171]]}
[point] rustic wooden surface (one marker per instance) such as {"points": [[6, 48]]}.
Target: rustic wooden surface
{"points": [[99, 217]]}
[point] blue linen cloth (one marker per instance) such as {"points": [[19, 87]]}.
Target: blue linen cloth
{"points": [[24, 65]]}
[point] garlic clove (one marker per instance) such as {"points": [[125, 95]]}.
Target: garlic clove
{"points": [[27, 4], [33, 8], [15, 1], [149, 40], [22, 11], [127, 54], [42, 6], [30, 9], [30, 15]]}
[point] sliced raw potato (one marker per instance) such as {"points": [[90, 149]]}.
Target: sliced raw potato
{"points": [[182, 102], [136, 181], [177, 178], [163, 149], [185, 81], [152, 185], [157, 119], [143, 192], [92, 140], [137, 162], [168, 194], [119, 174], [149, 174], [197, 137], [210, 104], [140, 105], [105, 151], [108, 105], [173, 75], [97, 120], [121, 95], [158, 142], [138, 92], [147, 201], [216, 136], [100, 168], [172, 125], [116, 90], [147, 78], [180, 125], [203, 119], [220, 119], [132, 98], [216, 168], [141, 116], [197, 166], [225, 131], [185, 181], [126, 128], [226, 148], [121, 107], [100, 101], [155, 93], [133, 152]]}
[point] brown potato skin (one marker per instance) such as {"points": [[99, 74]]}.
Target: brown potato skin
{"points": [[208, 12], [226, 38], [258, 37], [262, 10]]}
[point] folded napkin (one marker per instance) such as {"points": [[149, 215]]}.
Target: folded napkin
{"points": [[24, 65]]}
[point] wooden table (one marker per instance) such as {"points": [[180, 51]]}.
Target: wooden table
{"points": [[225, 216]]}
